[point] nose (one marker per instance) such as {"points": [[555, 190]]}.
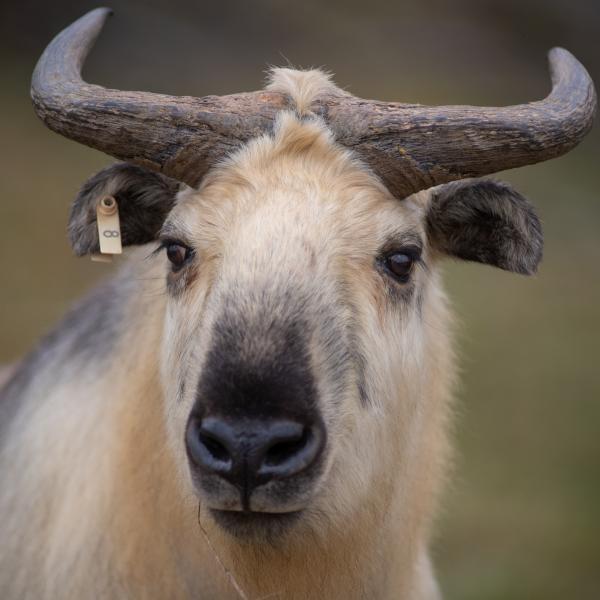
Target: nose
{"points": [[248, 453]]}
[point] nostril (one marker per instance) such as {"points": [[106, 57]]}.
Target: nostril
{"points": [[215, 448], [209, 445], [292, 448], [282, 451]]}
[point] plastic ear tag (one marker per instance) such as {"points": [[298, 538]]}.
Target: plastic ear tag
{"points": [[109, 229]]}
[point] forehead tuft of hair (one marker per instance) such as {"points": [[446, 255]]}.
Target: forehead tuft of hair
{"points": [[303, 87], [300, 150]]}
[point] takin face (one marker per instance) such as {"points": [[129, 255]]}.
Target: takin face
{"points": [[305, 326]]}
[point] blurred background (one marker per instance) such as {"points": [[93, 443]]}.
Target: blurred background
{"points": [[522, 516]]}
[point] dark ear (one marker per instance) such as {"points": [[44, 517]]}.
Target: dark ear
{"points": [[485, 221], [144, 197]]}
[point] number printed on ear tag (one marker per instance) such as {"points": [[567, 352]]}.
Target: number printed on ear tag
{"points": [[109, 229]]}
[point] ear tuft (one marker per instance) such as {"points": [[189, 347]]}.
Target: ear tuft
{"points": [[144, 197], [488, 222]]}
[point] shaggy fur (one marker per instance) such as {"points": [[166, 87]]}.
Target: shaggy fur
{"points": [[96, 499]]}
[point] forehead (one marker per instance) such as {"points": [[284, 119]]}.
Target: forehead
{"points": [[295, 186]]}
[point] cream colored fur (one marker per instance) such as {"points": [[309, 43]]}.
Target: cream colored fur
{"points": [[95, 495]]}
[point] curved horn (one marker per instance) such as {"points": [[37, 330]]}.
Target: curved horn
{"points": [[180, 136], [411, 147], [414, 147]]}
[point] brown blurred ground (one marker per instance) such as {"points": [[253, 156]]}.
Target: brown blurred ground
{"points": [[523, 518]]}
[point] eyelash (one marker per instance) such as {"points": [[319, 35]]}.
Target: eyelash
{"points": [[163, 243]]}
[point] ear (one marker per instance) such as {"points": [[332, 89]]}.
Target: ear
{"points": [[144, 197], [485, 221]]}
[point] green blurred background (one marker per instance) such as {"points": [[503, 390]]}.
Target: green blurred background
{"points": [[522, 517]]}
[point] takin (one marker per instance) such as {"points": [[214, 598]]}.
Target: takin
{"points": [[257, 405]]}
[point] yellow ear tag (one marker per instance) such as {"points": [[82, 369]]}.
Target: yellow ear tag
{"points": [[109, 229]]}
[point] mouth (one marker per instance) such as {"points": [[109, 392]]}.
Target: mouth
{"points": [[254, 525]]}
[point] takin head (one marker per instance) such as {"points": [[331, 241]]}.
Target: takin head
{"points": [[305, 356], [304, 310]]}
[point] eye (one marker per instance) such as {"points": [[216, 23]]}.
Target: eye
{"points": [[400, 265], [177, 254]]}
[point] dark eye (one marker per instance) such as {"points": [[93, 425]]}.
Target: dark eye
{"points": [[400, 265], [178, 254]]}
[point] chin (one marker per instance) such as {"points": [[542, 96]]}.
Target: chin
{"points": [[252, 526]]}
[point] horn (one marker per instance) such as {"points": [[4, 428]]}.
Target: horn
{"points": [[180, 136], [411, 147], [414, 147]]}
